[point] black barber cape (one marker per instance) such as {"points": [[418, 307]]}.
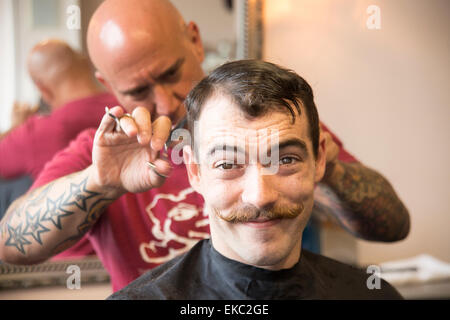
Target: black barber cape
{"points": [[203, 273]]}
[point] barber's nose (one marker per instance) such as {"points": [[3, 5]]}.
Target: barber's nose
{"points": [[165, 102], [259, 189]]}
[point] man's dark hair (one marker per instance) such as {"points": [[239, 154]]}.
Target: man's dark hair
{"points": [[258, 88]]}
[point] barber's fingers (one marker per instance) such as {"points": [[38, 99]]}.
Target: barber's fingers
{"points": [[128, 125], [161, 130], [138, 124], [108, 123], [143, 122], [159, 170]]}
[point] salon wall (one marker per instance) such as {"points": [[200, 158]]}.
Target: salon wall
{"points": [[385, 92], [215, 21]]}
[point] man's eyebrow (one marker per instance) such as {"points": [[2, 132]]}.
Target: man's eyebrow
{"points": [[226, 148], [135, 90], [293, 142], [174, 67]]}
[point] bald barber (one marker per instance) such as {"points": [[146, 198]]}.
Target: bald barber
{"points": [[138, 216]]}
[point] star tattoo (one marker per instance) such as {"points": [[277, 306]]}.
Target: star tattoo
{"points": [[16, 238], [55, 212], [81, 195], [33, 227]]}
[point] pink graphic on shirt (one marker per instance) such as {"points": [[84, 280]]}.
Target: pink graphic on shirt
{"points": [[177, 231]]}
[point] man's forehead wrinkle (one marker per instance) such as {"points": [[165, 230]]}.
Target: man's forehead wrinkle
{"points": [[256, 128], [133, 76], [245, 136]]}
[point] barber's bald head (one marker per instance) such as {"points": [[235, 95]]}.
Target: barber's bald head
{"points": [[118, 25], [137, 45]]}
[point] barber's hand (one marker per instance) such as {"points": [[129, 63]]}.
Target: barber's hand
{"points": [[119, 157], [21, 112], [332, 152]]}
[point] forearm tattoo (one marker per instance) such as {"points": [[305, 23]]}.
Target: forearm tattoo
{"points": [[45, 210], [373, 211]]}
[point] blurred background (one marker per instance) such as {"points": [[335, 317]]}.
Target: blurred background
{"points": [[380, 70]]}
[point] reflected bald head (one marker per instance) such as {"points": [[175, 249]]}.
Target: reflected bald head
{"points": [[60, 73], [120, 27], [52, 61]]}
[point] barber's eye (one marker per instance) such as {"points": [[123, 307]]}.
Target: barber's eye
{"points": [[172, 72], [139, 92], [170, 75]]}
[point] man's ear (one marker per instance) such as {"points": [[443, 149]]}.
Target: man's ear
{"points": [[321, 159], [46, 94], [192, 167], [103, 81], [193, 34]]}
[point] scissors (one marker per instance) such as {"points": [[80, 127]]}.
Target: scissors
{"points": [[151, 165]]}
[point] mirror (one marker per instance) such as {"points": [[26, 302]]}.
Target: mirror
{"points": [[229, 30]]}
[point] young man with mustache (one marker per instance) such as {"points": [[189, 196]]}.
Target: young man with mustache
{"points": [[256, 214]]}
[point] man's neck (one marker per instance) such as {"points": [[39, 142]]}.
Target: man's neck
{"points": [[71, 92]]}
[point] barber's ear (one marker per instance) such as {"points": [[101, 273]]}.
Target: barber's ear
{"points": [[193, 34], [192, 167], [46, 94], [103, 81], [321, 159]]}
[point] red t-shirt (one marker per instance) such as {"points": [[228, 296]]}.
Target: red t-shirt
{"points": [[137, 232], [26, 149]]}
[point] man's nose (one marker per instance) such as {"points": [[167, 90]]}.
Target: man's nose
{"points": [[259, 188], [165, 102]]}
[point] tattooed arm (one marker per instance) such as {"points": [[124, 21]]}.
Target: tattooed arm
{"points": [[359, 199], [51, 218], [363, 202]]}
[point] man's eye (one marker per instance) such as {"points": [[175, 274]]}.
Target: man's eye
{"points": [[172, 72], [169, 75], [139, 92], [225, 166], [288, 160]]}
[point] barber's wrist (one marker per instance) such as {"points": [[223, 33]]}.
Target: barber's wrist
{"points": [[96, 184], [333, 172]]}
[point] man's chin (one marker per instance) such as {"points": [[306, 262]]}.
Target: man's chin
{"points": [[268, 261], [264, 255]]}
